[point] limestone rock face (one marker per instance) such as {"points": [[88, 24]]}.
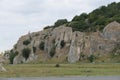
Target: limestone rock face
{"points": [[19, 59], [76, 47], [112, 31], [61, 43], [2, 60], [2, 69]]}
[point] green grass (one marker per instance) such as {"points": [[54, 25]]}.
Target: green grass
{"points": [[38, 70]]}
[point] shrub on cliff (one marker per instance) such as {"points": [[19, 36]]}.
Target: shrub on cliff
{"points": [[91, 58], [47, 27], [26, 42], [26, 52], [97, 19], [79, 26], [60, 22], [82, 17], [62, 43], [52, 51], [12, 55], [41, 45], [34, 49]]}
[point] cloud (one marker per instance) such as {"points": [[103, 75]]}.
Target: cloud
{"points": [[17, 17]]}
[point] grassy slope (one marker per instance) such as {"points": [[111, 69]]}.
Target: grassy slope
{"points": [[37, 70]]}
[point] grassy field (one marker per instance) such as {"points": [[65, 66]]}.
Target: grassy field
{"points": [[38, 70]]}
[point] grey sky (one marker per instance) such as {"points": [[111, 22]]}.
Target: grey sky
{"points": [[18, 17]]}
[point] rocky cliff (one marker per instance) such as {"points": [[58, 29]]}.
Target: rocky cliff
{"points": [[62, 44]]}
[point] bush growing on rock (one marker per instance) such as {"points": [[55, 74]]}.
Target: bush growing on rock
{"points": [[26, 42], [34, 49], [98, 17], [52, 52], [78, 26], [26, 52], [82, 17], [91, 58], [82, 56], [47, 27], [62, 43], [12, 55], [60, 22], [41, 45]]}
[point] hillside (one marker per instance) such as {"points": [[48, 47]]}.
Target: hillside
{"points": [[96, 20], [92, 37]]}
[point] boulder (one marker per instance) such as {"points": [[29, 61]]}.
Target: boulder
{"points": [[19, 59], [112, 31]]}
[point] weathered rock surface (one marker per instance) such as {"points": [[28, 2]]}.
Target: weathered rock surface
{"points": [[62, 43], [112, 31], [2, 69], [2, 60]]}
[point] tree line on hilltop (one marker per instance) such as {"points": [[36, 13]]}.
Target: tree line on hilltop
{"points": [[96, 20]]}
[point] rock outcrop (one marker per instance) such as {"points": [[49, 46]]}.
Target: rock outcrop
{"points": [[2, 69], [112, 31], [63, 44], [2, 60]]}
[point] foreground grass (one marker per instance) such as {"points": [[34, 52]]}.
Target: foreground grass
{"points": [[37, 70]]}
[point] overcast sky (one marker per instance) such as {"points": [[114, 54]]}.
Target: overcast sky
{"points": [[18, 17]]}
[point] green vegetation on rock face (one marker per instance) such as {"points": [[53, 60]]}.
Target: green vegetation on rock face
{"points": [[47, 27], [96, 20], [52, 51], [26, 42], [60, 22], [41, 45], [57, 23], [34, 49], [26, 52], [91, 58], [62, 43], [12, 55]]}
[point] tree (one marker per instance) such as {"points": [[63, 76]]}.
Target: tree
{"points": [[34, 49], [12, 56], [79, 26], [60, 22], [82, 17], [98, 17]]}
